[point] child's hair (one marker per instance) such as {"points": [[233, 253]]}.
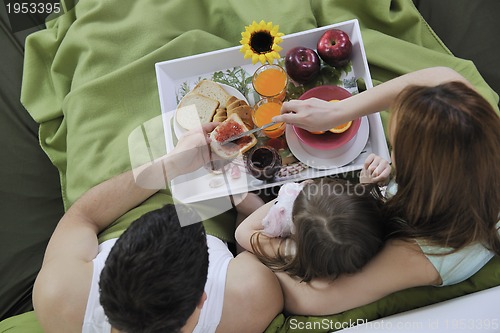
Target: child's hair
{"points": [[446, 145], [338, 229]]}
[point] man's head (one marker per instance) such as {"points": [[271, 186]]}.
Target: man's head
{"points": [[155, 275]]}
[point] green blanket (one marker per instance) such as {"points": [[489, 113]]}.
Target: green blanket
{"points": [[89, 80]]}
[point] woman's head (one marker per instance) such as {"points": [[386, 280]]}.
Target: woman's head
{"points": [[337, 230], [446, 144]]}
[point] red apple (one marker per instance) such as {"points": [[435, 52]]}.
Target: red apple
{"points": [[335, 47], [302, 64]]}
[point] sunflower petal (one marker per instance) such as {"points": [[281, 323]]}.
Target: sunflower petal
{"points": [[255, 58], [269, 57], [262, 59]]}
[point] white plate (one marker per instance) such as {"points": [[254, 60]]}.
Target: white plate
{"points": [[179, 130], [329, 163]]}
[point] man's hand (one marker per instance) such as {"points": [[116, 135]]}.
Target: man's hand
{"points": [[192, 151]]}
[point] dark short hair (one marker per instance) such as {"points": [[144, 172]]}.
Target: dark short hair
{"points": [[155, 274]]}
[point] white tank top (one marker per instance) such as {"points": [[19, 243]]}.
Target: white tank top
{"points": [[219, 256]]}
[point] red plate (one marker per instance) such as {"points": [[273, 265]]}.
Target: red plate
{"points": [[327, 140], [326, 93]]}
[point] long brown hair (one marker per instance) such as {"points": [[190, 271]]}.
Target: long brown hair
{"points": [[446, 145], [337, 231]]}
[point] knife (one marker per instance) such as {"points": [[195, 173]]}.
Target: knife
{"points": [[236, 137]]}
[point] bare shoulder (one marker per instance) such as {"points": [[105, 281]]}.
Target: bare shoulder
{"points": [[407, 258], [400, 265], [252, 297]]}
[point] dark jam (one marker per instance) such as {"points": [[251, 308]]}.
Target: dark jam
{"points": [[264, 163], [262, 158]]}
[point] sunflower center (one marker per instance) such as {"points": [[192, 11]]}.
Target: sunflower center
{"points": [[261, 42]]}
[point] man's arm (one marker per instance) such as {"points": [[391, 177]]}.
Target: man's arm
{"points": [[61, 289], [62, 286]]}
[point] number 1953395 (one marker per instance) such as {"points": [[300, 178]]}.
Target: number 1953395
{"points": [[33, 8]]}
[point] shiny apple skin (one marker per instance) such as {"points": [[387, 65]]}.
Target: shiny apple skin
{"points": [[335, 47], [302, 64]]}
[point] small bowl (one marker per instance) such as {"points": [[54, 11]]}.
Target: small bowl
{"points": [[264, 163], [328, 144]]}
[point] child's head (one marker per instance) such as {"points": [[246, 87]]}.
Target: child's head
{"points": [[337, 230]]}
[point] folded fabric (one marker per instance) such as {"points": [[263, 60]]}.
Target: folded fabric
{"points": [[89, 81], [89, 78]]}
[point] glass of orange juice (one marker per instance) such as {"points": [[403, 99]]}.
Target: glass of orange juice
{"points": [[263, 113], [269, 81]]}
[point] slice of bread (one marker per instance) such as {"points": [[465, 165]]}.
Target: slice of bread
{"points": [[231, 100], [220, 115], [195, 110], [233, 125], [245, 113], [235, 104], [212, 90]]}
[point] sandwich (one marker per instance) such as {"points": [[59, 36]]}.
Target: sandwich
{"points": [[232, 126]]}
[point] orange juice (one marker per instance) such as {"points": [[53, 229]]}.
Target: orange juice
{"points": [[270, 81], [264, 111]]}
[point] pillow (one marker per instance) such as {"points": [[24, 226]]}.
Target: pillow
{"points": [[487, 277]]}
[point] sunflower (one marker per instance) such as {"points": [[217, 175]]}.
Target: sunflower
{"points": [[260, 42]]}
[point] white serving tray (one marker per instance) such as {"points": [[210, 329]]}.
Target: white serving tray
{"points": [[172, 74]]}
